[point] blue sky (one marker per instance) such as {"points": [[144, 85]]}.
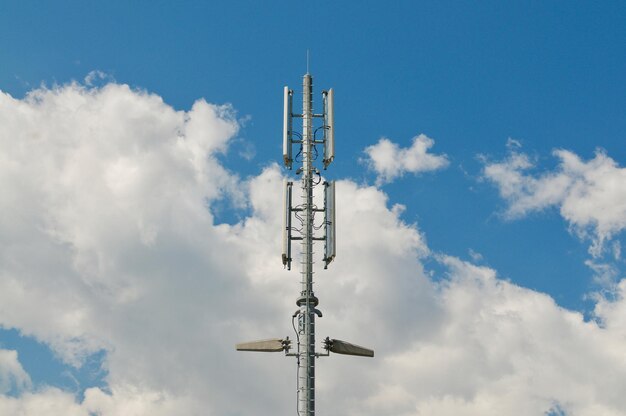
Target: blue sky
{"points": [[491, 83]]}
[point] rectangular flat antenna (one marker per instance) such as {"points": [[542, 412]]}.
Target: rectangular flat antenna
{"points": [[330, 248], [342, 347], [287, 126], [265, 345], [287, 186], [329, 128]]}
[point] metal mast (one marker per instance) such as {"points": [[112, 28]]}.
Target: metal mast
{"points": [[307, 300], [305, 214]]}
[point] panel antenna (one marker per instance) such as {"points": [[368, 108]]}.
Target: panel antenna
{"points": [[329, 128], [287, 126]]}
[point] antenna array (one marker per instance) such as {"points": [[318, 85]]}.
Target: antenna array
{"points": [[304, 229]]}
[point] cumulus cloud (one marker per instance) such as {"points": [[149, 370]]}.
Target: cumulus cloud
{"points": [[589, 194], [390, 161], [504, 349], [50, 402], [12, 375], [106, 227]]}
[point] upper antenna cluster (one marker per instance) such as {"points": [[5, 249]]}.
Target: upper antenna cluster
{"points": [[328, 128]]}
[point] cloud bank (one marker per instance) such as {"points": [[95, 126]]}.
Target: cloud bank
{"points": [[590, 195], [390, 161], [108, 244]]}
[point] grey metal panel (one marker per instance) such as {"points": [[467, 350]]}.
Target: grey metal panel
{"points": [[342, 347], [333, 225], [287, 127], [329, 122], [330, 248], [265, 345], [286, 255]]}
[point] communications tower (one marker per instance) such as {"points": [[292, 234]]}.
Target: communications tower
{"points": [[300, 224]]}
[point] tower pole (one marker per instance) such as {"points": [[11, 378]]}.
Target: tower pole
{"points": [[305, 214], [307, 300]]}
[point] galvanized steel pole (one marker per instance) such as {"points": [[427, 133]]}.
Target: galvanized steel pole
{"points": [[307, 300], [305, 214]]}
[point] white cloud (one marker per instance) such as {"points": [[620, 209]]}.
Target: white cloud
{"points": [[106, 227], [590, 195], [605, 274], [475, 256], [96, 76], [389, 161], [12, 375], [502, 349], [50, 402]]}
